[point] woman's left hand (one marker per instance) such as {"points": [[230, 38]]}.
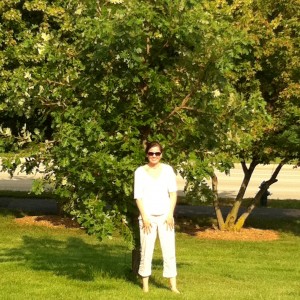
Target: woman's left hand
{"points": [[170, 222]]}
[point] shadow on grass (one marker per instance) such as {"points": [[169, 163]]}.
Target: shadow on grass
{"points": [[159, 281], [284, 225], [72, 258], [289, 226]]}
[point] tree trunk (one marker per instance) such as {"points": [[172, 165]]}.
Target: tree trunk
{"points": [[135, 229], [136, 252], [135, 260], [232, 215], [220, 220], [241, 221]]}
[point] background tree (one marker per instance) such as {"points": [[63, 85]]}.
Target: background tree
{"points": [[268, 71]]}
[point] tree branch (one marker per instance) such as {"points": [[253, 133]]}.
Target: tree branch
{"points": [[220, 219], [258, 195], [177, 108], [57, 83]]}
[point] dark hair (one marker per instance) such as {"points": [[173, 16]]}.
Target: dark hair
{"points": [[149, 145]]}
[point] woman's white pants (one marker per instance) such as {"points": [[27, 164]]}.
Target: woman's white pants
{"points": [[167, 243]]}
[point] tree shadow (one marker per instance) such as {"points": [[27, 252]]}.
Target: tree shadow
{"points": [[72, 258], [289, 226], [159, 281]]}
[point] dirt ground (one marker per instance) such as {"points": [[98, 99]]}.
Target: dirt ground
{"points": [[50, 221], [246, 234]]}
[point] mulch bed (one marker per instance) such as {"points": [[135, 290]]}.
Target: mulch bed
{"points": [[246, 234], [52, 221]]}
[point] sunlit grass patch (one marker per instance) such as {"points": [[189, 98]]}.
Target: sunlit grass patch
{"points": [[45, 263]]}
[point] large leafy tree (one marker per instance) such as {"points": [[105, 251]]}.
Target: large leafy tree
{"points": [[93, 80]]}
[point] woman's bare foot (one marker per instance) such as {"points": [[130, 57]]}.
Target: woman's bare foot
{"points": [[174, 290], [173, 285], [145, 284]]}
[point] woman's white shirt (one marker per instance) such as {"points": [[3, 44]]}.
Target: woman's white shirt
{"points": [[154, 191]]}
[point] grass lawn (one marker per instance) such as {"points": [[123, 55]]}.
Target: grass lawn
{"points": [[273, 203], [51, 263]]}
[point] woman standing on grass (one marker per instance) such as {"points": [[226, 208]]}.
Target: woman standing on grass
{"points": [[155, 191]]}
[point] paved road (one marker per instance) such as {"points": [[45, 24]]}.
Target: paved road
{"points": [[40, 206]]}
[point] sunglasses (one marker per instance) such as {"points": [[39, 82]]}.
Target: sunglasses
{"points": [[154, 153]]}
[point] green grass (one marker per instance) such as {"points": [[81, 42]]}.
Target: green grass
{"points": [[273, 203], [46, 263], [284, 203]]}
